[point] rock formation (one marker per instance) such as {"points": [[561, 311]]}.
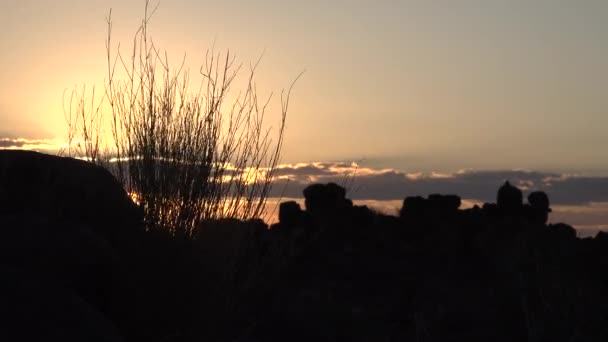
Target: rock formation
{"points": [[64, 222], [76, 265]]}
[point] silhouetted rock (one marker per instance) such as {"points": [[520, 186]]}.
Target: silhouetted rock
{"points": [[338, 272], [413, 206], [565, 231], [363, 215], [490, 209], [539, 205], [289, 213], [335, 192], [69, 221], [322, 200], [478, 274], [444, 203], [509, 199], [601, 236], [314, 197], [539, 200], [59, 189]]}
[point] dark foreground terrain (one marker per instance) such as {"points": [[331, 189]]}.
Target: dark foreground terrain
{"points": [[76, 264]]}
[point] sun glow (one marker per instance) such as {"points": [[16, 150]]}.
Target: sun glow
{"points": [[135, 197]]}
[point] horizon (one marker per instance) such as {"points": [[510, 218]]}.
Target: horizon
{"points": [[398, 88], [580, 201]]}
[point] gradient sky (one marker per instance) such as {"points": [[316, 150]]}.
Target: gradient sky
{"points": [[411, 85]]}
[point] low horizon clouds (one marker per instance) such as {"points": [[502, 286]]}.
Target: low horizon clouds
{"points": [[389, 184], [581, 201], [28, 144], [578, 200], [365, 183]]}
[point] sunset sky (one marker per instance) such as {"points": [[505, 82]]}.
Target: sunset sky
{"points": [[410, 86]]}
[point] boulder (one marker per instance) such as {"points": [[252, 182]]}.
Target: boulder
{"points": [[539, 207], [413, 206], [289, 213], [62, 189], [444, 203], [71, 222], [325, 198], [564, 231], [509, 199]]}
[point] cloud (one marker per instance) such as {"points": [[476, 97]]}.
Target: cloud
{"points": [[16, 143], [47, 145], [389, 184], [303, 170]]}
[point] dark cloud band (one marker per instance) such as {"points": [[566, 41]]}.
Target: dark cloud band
{"points": [[19, 143], [388, 184]]}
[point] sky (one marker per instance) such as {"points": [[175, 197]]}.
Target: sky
{"points": [[412, 86]]}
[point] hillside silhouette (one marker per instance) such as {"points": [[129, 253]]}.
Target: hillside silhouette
{"points": [[77, 263]]}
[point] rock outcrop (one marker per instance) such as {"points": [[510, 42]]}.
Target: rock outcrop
{"points": [[65, 221], [64, 189], [71, 250], [435, 273]]}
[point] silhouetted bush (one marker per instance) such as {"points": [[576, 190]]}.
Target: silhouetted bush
{"points": [[186, 154]]}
